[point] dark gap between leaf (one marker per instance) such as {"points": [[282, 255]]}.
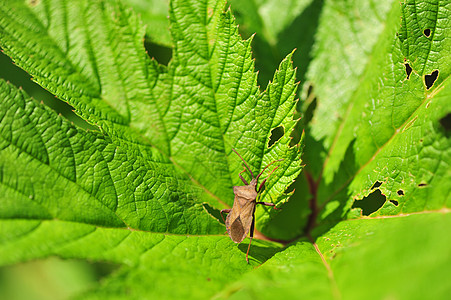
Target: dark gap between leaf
{"points": [[395, 203], [216, 213], [371, 203], [309, 90], [427, 32], [12, 73], [376, 185], [103, 269], [430, 79], [310, 111], [307, 116], [276, 134], [446, 122], [160, 53], [400, 192], [408, 70], [296, 133]]}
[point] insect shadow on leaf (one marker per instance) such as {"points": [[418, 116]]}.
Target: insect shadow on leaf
{"points": [[241, 217]]}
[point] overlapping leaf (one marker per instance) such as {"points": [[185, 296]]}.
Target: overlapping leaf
{"points": [[205, 103], [166, 134], [52, 170], [391, 136], [152, 265], [359, 256]]}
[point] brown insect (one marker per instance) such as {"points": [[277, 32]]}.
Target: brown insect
{"points": [[241, 216]]}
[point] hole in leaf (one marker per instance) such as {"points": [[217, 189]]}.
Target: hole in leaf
{"points": [[376, 185], [446, 122], [408, 70], [400, 192], [394, 202], [276, 134], [422, 184], [421, 140], [371, 203], [427, 32], [430, 79]]}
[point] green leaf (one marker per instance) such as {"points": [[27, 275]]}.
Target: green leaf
{"points": [[391, 136], [80, 176], [278, 31], [213, 84], [155, 15], [163, 148], [367, 258]]}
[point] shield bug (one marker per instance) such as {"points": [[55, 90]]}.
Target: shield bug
{"points": [[241, 217]]}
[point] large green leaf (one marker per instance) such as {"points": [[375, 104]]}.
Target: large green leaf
{"points": [[193, 112], [390, 138], [81, 176], [375, 258], [163, 148], [369, 214]]}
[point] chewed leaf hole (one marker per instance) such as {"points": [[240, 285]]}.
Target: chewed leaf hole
{"points": [[446, 122], [427, 32], [430, 79], [422, 184], [376, 185], [400, 192], [276, 134], [408, 70], [371, 203], [395, 203]]}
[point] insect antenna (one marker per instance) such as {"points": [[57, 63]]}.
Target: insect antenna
{"points": [[263, 183], [244, 163], [258, 176]]}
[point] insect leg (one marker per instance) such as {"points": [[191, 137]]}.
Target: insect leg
{"points": [[268, 204], [252, 236], [244, 181], [227, 210]]}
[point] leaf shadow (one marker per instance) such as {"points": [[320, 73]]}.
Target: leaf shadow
{"points": [[300, 34], [260, 250], [338, 203]]}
